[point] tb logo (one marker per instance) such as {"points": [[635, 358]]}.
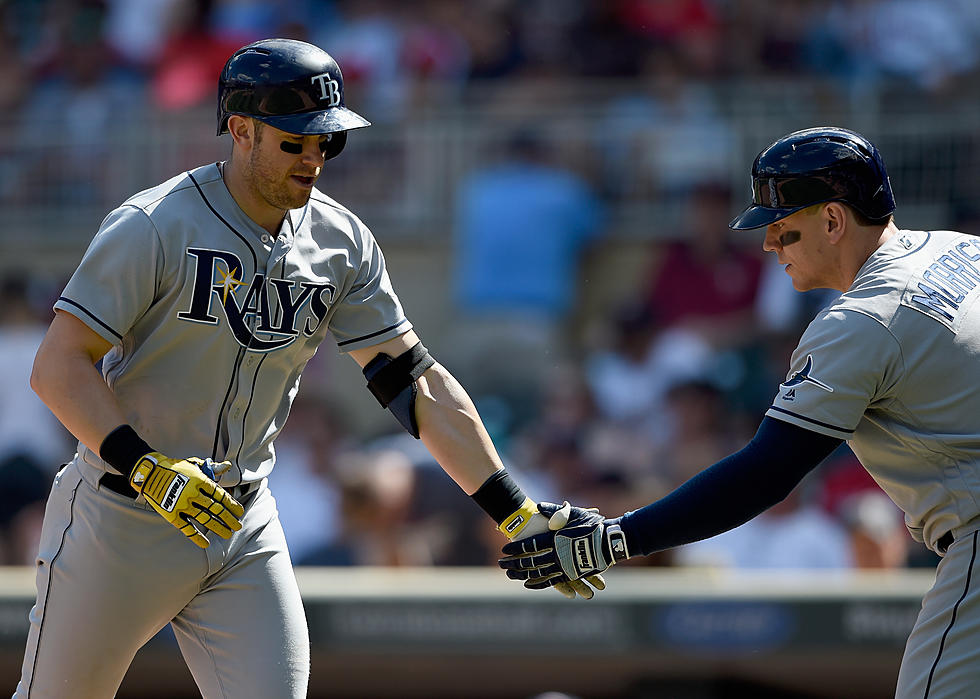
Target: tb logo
{"points": [[329, 88], [268, 306]]}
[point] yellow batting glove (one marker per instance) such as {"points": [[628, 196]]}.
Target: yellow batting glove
{"points": [[517, 521], [184, 496]]}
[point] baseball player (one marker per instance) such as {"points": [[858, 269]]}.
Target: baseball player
{"points": [[891, 367], [204, 298]]}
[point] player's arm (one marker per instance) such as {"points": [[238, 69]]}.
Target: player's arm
{"points": [[446, 419], [720, 498], [432, 406], [67, 381]]}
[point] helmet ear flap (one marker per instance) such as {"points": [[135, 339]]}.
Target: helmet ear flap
{"points": [[335, 143]]}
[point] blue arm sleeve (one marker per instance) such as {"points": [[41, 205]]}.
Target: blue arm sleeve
{"points": [[732, 491]]}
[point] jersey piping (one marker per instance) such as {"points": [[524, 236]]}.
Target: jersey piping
{"points": [[773, 408], [90, 315], [374, 334]]}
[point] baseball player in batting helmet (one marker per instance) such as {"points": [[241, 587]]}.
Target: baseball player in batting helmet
{"points": [[887, 368], [204, 297]]}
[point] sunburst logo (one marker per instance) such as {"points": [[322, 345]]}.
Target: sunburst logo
{"points": [[228, 283]]}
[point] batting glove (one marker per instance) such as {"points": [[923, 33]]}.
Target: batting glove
{"points": [[184, 493], [569, 556]]}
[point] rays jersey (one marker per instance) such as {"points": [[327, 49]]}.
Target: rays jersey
{"points": [[893, 366], [212, 320]]}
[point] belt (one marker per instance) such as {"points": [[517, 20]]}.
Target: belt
{"points": [[120, 484], [945, 541]]}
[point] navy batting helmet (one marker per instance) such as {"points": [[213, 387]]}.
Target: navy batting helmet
{"points": [[813, 166], [289, 84]]}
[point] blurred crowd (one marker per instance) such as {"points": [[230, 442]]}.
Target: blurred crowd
{"points": [[611, 410]]}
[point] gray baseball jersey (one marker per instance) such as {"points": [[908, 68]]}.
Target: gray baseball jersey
{"points": [[212, 321], [893, 366], [202, 303]]}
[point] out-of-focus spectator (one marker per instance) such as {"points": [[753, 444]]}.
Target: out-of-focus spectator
{"points": [[523, 229], [26, 483], [661, 135], [26, 424], [875, 525], [14, 73], [191, 57], [630, 378], [682, 136], [690, 27], [435, 51], [249, 20], [876, 530], [368, 41], [702, 430], [705, 281], [494, 43], [921, 43], [136, 29], [795, 534], [376, 490], [303, 483], [83, 98]]}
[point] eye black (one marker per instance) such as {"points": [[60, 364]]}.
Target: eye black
{"points": [[297, 148]]}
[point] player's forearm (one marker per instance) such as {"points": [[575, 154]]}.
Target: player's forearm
{"points": [[72, 388], [732, 491], [452, 430]]}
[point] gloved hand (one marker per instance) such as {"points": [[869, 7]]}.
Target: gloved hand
{"points": [[184, 493], [532, 556], [581, 548]]}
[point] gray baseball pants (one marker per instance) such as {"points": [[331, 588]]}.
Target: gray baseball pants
{"points": [[111, 573], [942, 656]]}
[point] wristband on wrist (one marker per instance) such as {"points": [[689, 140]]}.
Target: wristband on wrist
{"points": [[505, 502], [616, 541], [122, 449]]}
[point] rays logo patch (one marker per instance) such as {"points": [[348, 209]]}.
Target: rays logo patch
{"points": [[802, 377]]}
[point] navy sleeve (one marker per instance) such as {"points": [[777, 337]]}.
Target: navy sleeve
{"points": [[732, 491]]}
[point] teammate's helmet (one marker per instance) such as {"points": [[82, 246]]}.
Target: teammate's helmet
{"points": [[815, 166], [291, 85]]}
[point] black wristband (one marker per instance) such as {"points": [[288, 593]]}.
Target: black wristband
{"points": [[499, 496], [122, 448]]}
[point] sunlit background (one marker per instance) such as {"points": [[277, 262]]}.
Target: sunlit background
{"points": [[551, 181]]}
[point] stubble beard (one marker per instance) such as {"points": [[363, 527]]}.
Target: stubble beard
{"points": [[273, 187]]}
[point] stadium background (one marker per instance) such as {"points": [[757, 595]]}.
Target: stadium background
{"points": [[551, 182]]}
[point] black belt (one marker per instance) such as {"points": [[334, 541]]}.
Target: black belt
{"points": [[120, 484], [945, 541]]}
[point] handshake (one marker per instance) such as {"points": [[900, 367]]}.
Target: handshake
{"points": [[568, 548]]}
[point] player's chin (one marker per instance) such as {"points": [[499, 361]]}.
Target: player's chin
{"points": [[802, 285], [299, 196]]}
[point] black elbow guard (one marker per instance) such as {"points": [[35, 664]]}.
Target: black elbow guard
{"points": [[392, 382]]}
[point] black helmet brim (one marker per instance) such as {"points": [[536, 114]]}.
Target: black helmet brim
{"points": [[314, 123], [756, 216]]}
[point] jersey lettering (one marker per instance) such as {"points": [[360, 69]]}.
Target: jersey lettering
{"points": [[945, 284], [218, 277]]}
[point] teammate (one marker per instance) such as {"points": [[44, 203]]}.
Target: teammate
{"points": [[891, 367], [204, 297]]}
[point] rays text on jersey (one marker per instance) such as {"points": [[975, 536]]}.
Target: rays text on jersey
{"points": [[271, 313]]}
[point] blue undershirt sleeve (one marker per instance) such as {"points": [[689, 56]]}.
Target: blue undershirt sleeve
{"points": [[732, 491]]}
